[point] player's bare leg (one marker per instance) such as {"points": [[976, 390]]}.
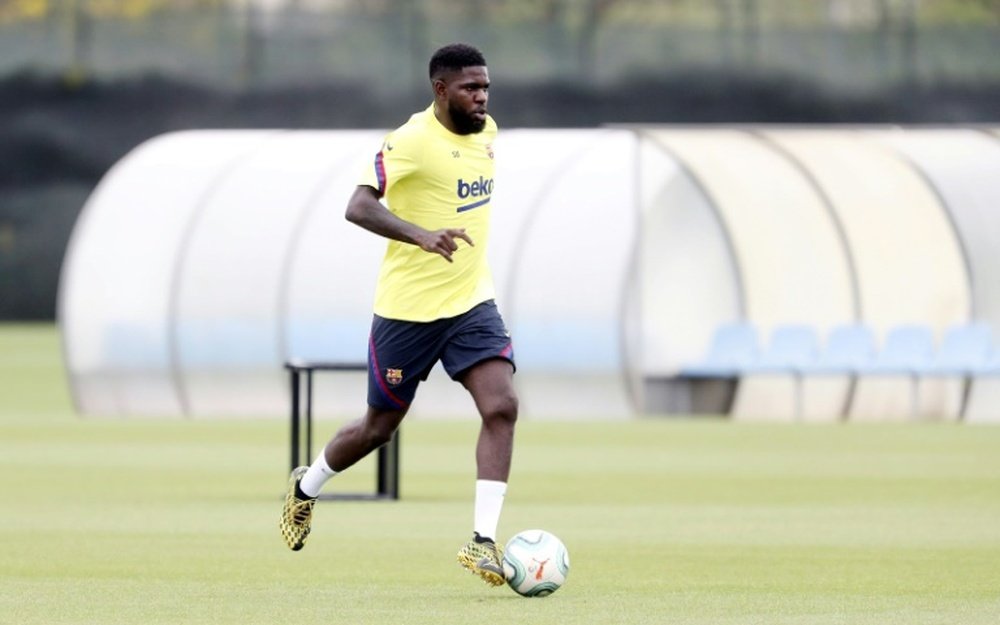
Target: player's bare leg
{"points": [[492, 387], [491, 384], [352, 442], [362, 436]]}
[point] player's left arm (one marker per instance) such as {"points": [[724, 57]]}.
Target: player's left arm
{"points": [[364, 209]]}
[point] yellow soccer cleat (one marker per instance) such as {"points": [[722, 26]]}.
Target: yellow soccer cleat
{"points": [[484, 558], [296, 516]]}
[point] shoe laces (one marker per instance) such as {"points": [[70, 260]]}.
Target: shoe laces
{"points": [[301, 509], [487, 549]]}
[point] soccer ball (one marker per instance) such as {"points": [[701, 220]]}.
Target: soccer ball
{"points": [[535, 563]]}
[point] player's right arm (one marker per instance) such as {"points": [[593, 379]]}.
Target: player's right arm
{"points": [[364, 209]]}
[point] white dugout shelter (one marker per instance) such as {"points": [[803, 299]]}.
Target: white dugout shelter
{"points": [[205, 260]]}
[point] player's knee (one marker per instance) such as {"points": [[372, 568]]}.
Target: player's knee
{"points": [[378, 429], [502, 408], [379, 435]]}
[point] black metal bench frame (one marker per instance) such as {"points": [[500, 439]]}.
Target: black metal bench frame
{"points": [[301, 373]]}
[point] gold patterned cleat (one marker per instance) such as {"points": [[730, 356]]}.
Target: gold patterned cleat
{"points": [[483, 558], [296, 515]]}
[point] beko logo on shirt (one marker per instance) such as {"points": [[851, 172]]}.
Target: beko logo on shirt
{"points": [[476, 188]]}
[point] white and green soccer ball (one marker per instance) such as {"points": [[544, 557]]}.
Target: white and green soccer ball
{"points": [[536, 563]]}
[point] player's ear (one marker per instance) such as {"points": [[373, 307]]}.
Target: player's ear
{"points": [[440, 87]]}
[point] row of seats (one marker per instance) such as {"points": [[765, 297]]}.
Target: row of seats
{"points": [[736, 349]]}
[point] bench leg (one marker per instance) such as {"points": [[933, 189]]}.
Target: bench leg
{"points": [[388, 469], [294, 420]]}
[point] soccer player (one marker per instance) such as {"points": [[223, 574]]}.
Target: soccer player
{"points": [[434, 298]]}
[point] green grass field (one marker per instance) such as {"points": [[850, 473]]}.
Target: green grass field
{"points": [[147, 521]]}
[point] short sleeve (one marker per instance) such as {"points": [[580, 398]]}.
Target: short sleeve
{"points": [[397, 159]]}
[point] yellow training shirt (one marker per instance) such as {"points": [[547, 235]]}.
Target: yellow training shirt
{"points": [[435, 179]]}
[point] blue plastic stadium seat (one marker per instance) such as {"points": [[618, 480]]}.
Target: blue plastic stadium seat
{"points": [[848, 348], [791, 348], [734, 347], [908, 349], [965, 349], [991, 367]]}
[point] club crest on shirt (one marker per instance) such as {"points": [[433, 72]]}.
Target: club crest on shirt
{"points": [[489, 150], [394, 376]]}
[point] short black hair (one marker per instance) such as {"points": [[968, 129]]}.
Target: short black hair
{"points": [[453, 57]]}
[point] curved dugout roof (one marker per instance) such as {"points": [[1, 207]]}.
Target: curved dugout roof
{"points": [[687, 275], [891, 220], [203, 260], [218, 256], [961, 165], [227, 308], [791, 262], [906, 256], [116, 285], [568, 264]]}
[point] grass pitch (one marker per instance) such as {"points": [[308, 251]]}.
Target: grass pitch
{"points": [[667, 521]]}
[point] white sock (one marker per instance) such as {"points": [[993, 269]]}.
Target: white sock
{"points": [[489, 501], [317, 475]]}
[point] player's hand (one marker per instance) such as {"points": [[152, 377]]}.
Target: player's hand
{"points": [[443, 241]]}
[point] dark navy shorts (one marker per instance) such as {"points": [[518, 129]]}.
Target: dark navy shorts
{"points": [[402, 353]]}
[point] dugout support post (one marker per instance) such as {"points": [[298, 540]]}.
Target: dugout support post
{"points": [[300, 375]]}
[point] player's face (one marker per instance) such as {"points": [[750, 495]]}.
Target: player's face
{"points": [[467, 93]]}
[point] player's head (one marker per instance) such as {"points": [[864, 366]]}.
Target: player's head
{"points": [[461, 86], [455, 57]]}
